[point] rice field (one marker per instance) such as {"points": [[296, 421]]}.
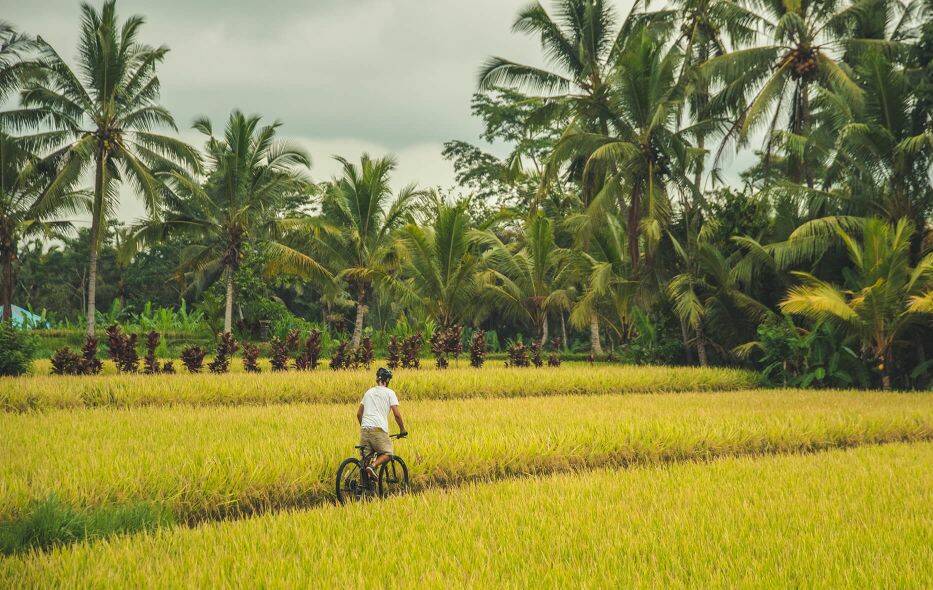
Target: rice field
{"points": [[325, 386], [668, 474], [213, 462], [853, 518]]}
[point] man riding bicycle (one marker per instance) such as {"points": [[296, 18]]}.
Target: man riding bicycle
{"points": [[373, 416]]}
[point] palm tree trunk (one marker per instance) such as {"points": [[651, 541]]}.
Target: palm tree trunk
{"points": [[633, 215], [563, 330], [686, 338], [7, 289], [228, 311], [544, 331], [595, 346], [97, 212], [886, 361], [360, 313], [701, 347]]}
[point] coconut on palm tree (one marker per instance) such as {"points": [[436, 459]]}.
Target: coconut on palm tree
{"points": [[101, 115], [804, 48], [249, 174]]}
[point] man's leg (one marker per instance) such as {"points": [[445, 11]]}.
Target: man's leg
{"points": [[382, 458]]}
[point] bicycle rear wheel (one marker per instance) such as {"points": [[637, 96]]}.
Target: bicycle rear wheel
{"points": [[350, 486], [393, 477]]}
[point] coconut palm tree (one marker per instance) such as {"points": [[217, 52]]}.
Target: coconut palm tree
{"points": [[102, 115], [883, 295], [762, 84], [26, 208], [708, 28], [526, 278], [248, 177], [648, 155], [706, 290], [355, 236], [15, 49], [440, 265]]}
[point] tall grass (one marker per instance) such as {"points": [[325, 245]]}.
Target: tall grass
{"points": [[212, 462], [858, 518], [323, 385]]}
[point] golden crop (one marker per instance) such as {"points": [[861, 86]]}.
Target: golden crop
{"points": [[324, 385], [857, 518], [208, 462]]}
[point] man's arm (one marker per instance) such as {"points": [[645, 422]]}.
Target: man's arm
{"points": [[359, 414], [398, 418]]}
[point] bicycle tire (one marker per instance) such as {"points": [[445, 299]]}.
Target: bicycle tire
{"points": [[349, 484], [393, 477]]}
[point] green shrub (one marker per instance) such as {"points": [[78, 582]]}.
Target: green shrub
{"points": [[17, 348]]}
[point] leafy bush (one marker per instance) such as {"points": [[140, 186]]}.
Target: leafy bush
{"points": [[90, 364], [250, 356], [66, 362], [193, 358], [17, 348], [517, 355], [279, 358], [654, 342], [411, 351], [792, 356], [536, 359], [394, 352], [365, 353], [439, 348], [553, 358], [151, 363], [478, 348], [311, 352], [341, 357], [226, 348], [122, 349]]}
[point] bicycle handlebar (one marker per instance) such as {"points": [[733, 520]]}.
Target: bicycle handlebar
{"points": [[399, 435]]}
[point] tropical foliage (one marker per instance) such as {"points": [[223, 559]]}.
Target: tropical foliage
{"points": [[620, 212]]}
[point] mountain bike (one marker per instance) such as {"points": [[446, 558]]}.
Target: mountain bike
{"points": [[355, 483]]}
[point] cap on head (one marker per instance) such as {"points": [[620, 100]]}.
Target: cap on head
{"points": [[383, 375]]}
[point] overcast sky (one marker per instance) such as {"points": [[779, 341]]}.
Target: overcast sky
{"points": [[344, 76]]}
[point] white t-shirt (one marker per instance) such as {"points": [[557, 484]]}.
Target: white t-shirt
{"points": [[376, 403]]}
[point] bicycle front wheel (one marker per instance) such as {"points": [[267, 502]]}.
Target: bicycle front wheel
{"points": [[393, 477], [350, 484]]}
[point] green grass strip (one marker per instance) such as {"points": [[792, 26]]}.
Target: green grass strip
{"points": [[857, 518]]}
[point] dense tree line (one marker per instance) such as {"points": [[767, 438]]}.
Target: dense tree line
{"points": [[610, 222]]}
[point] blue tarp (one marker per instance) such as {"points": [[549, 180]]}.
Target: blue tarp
{"points": [[22, 317]]}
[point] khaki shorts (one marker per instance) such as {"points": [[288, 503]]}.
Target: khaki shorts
{"points": [[377, 440]]}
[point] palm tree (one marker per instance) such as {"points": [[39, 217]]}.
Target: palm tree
{"points": [[103, 113], [26, 209], [883, 296], [249, 175], [599, 262], [580, 40], [880, 155], [525, 277], [764, 83], [441, 265], [706, 290], [648, 155], [14, 49], [356, 233], [708, 28]]}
